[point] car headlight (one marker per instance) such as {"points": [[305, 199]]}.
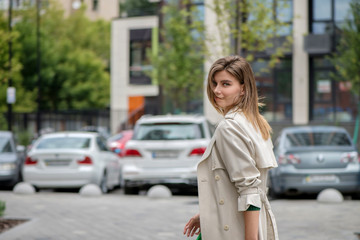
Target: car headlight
{"points": [[7, 166]]}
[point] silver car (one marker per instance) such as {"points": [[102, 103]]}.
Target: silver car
{"points": [[71, 160], [11, 159], [165, 150], [314, 158]]}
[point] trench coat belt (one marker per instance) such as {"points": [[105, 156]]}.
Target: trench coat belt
{"points": [[270, 218]]}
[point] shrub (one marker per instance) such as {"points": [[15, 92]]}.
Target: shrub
{"points": [[2, 208]]}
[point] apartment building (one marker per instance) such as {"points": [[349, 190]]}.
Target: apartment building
{"points": [[297, 91]]}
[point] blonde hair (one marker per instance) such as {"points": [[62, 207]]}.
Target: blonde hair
{"points": [[249, 103]]}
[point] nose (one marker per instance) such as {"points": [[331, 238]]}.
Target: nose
{"points": [[217, 90]]}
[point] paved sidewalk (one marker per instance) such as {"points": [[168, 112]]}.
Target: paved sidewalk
{"points": [[63, 216]]}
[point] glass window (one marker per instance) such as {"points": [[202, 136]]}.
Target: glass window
{"points": [[101, 144], [95, 5], [169, 131], [275, 89], [140, 44], [5, 146], [284, 10], [331, 100], [342, 10], [322, 27], [323, 86], [64, 142], [321, 9], [305, 139]]}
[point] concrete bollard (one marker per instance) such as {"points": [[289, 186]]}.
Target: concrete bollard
{"points": [[330, 195], [159, 191], [24, 188], [90, 190]]}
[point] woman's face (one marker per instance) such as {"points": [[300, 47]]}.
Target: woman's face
{"points": [[226, 88]]}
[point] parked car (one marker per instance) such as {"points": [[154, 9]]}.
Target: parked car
{"points": [[165, 150], [11, 159], [71, 160], [314, 158], [117, 142]]}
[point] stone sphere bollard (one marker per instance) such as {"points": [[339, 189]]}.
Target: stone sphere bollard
{"points": [[24, 188], [330, 195], [159, 191], [90, 190]]}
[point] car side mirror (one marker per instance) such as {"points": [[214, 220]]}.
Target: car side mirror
{"points": [[20, 148]]}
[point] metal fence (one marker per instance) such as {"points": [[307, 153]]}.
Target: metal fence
{"points": [[60, 120]]}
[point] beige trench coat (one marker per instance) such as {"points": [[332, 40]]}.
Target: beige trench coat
{"points": [[232, 176]]}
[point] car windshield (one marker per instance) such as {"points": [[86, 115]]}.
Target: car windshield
{"points": [[169, 131], [5, 146], [305, 139], [116, 137], [64, 142]]}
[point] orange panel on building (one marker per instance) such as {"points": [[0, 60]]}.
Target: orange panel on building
{"points": [[136, 108]]}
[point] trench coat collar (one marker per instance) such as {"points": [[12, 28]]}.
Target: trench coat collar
{"points": [[232, 113]]}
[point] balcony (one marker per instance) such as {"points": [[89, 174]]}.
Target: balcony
{"points": [[318, 43]]}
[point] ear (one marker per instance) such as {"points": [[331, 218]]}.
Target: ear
{"points": [[242, 89]]}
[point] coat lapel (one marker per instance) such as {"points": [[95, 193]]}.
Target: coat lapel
{"points": [[208, 150]]}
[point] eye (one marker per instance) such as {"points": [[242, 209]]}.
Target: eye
{"points": [[226, 84], [213, 83]]}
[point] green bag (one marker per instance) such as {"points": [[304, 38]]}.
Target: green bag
{"points": [[199, 237]]}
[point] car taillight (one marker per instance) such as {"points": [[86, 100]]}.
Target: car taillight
{"points": [[349, 157], [132, 153], [197, 151], [30, 161], [289, 159], [86, 160]]}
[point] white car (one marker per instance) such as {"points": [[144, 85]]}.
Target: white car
{"points": [[71, 160], [165, 150]]}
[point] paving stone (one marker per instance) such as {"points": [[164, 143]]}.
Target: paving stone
{"points": [[70, 216]]}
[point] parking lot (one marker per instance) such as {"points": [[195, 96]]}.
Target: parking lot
{"points": [[67, 215]]}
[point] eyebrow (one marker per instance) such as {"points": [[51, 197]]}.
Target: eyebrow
{"points": [[222, 81]]}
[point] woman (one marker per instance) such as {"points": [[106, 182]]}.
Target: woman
{"points": [[233, 170]]}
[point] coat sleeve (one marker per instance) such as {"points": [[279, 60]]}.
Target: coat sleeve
{"points": [[237, 151]]}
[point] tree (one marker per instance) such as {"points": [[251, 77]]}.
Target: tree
{"points": [[5, 72], [250, 28], [74, 59], [346, 59], [132, 8], [179, 62]]}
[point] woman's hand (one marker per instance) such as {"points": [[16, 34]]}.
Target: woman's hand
{"points": [[193, 226]]}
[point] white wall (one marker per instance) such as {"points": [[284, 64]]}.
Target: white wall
{"points": [[120, 50]]}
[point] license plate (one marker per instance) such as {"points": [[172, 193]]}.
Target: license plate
{"points": [[58, 162], [164, 154], [322, 179]]}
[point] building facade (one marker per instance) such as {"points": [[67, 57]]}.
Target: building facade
{"points": [[95, 9], [298, 91]]}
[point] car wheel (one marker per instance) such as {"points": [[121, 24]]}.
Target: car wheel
{"points": [[103, 184]]}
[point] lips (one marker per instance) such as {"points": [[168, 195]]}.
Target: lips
{"points": [[217, 98]]}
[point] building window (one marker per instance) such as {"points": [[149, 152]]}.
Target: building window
{"points": [[284, 14], [275, 87], [328, 15], [140, 44], [330, 101], [95, 5]]}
